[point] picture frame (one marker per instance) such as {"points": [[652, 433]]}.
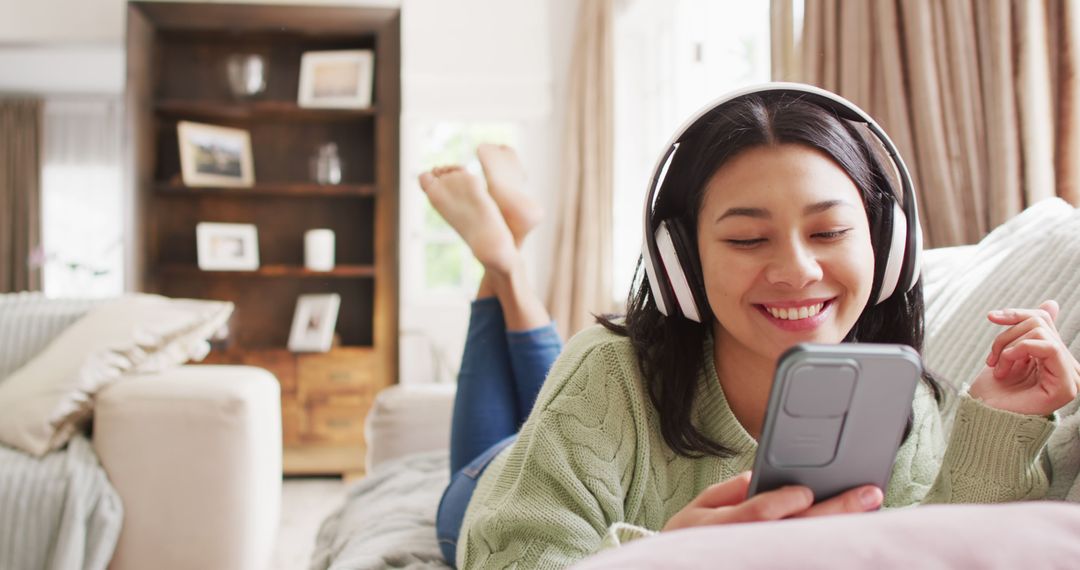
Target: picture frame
{"points": [[212, 155], [340, 79], [227, 247], [313, 322]]}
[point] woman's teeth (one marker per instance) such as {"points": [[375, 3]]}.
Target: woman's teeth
{"points": [[795, 313]]}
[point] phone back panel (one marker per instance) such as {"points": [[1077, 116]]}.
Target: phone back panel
{"points": [[836, 417]]}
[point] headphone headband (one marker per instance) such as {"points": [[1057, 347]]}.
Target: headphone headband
{"points": [[902, 271]]}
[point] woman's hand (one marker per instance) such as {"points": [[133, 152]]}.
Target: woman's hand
{"points": [[726, 502], [1029, 370]]}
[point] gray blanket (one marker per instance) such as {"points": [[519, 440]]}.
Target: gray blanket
{"points": [[388, 519], [57, 512]]}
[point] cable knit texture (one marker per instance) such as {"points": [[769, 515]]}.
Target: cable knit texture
{"points": [[590, 469]]}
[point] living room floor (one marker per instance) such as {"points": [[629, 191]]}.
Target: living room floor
{"points": [[305, 502]]}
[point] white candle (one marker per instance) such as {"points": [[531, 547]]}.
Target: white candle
{"points": [[319, 250]]}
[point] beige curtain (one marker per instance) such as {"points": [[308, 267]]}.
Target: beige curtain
{"points": [[581, 273], [20, 195], [979, 95]]}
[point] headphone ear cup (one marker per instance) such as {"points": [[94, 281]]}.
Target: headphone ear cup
{"points": [[687, 256], [894, 231], [668, 243]]}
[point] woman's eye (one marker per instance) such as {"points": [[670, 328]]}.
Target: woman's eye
{"points": [[833, 234], [745, 242]]}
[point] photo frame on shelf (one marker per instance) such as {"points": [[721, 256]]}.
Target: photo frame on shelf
{"points": [[313, 322], [211, 155], [339, 79], [227, 247]]}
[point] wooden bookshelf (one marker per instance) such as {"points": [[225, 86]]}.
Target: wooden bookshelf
{"points": [[176, 55]]}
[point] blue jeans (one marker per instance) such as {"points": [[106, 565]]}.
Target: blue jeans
{"points": [[501, 374]]}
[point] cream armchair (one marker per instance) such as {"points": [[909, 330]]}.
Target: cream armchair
{"points": [[195, 454]]}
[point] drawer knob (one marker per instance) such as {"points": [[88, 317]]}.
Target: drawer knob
{"points": [[340, 376]]}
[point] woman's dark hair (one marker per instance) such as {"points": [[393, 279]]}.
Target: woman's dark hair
{"points": [[670, 351]]}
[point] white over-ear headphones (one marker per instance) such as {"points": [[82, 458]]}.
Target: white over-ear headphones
{"points": [[666, 249]]}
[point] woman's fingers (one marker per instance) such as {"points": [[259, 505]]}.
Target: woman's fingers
{"points": [[858, 500], [1012, 334], [772, 505], [1052, 357], [1022, 321], [730, 492], [1048, 352], [1051, 307]]}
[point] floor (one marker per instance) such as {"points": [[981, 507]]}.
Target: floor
{"points": [[305, 501]]}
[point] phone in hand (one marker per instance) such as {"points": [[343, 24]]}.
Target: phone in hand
{"points": [[836, 417]]}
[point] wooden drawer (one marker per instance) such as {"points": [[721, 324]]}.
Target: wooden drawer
{"points": [[347, 371], [336, 423], [294, 422]]}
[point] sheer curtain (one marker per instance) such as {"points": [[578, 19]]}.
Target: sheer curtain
{"points": [[581, 272], [83, 197]]}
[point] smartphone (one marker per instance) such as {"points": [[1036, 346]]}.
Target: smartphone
{"points": [[836, 417]]}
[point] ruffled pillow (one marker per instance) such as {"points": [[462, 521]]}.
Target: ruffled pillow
{"points": [[43, 402]]}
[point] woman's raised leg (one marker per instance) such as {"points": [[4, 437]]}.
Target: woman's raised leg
{"points": [[485, 406], [533, 341]]}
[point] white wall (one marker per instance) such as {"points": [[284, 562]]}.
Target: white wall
{"points": [[56, 69]]}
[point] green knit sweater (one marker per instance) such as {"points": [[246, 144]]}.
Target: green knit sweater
{"points": [[590, 469]]}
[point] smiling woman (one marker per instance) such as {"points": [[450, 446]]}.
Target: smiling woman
{"points": [[772, 220]]}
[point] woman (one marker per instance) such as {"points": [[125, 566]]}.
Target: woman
{"points": [[650, 423]]}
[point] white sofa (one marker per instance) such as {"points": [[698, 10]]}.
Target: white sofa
{"points": [[195, 455], [192, 452]]}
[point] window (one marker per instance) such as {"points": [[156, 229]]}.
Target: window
{"points": [[82, 198], [671, 58], [439, 275], [446, 265]]}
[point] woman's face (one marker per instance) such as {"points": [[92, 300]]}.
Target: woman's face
{"points": [[785, 249]]}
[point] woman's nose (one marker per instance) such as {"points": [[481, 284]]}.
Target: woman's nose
{"points": [[794, 265]]}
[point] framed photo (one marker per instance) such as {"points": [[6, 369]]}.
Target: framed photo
{"points": [[336, 79], [313, 322], [227, 247], [214, 156]]}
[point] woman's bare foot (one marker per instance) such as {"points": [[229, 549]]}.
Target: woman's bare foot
{"points": [[506, 182], [461, 200]]}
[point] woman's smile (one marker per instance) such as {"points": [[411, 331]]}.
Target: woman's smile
{"points": [[796, 316]]}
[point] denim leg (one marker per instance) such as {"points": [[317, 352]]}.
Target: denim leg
{"points": [[456, 497], [532, 353], [485, 407]]}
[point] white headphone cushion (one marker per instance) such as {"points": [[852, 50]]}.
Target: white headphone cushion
{"points": [[676, 276], [895, 262]]}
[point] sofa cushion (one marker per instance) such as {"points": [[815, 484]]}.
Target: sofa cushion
{"points": [[29, 321], [1019, 535], [42, 403]]}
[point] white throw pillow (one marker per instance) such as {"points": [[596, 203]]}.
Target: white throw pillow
{"points": [[1033, 257], [42, 403]]}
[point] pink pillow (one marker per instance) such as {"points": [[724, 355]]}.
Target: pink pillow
{"points": [[1040, 534]]}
